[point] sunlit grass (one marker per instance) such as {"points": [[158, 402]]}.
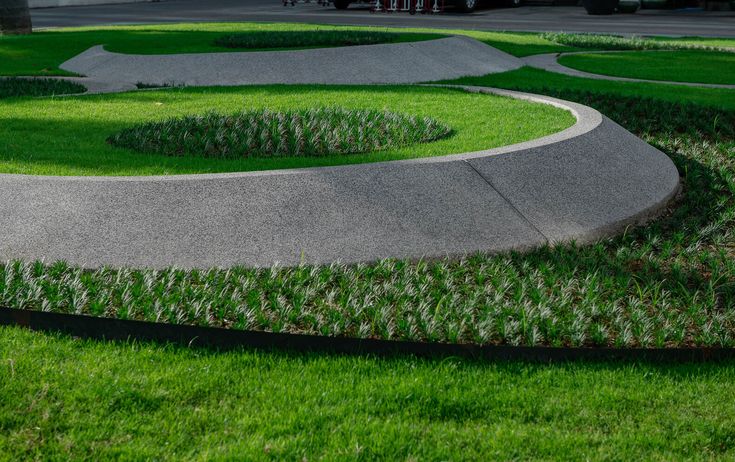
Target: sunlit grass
{"points": [[67, 136]]}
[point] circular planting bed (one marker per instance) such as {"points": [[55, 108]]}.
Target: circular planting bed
{"points": [[18, 86], [68, 136], [695, 66], [328, 131]]}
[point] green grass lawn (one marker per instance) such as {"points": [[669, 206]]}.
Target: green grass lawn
{"points": [[67, 135], [678, 66], [66, 399]]}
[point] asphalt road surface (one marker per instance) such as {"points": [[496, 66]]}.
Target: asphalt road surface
{"points": [[529, 18]]}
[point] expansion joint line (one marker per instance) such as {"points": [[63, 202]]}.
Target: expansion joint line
{"points": [[520, 214]]}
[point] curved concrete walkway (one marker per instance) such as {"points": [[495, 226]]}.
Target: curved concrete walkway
{"points": [[583, 183], [549, 62], [396, 63]]}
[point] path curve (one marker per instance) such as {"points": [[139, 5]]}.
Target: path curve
{"points": [[588, 181], [391, 63], [549, 62]]}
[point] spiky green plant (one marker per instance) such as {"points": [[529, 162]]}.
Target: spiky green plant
{"points": [[616, 42], [264, 133], [307, 39], [18, 86]]}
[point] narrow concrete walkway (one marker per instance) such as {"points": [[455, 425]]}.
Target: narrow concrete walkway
{"points": [[549, 62], [396, 63]]}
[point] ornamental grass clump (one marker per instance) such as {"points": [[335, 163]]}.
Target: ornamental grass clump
{"points": [[305, 39], [12, 87], [616, 42], [264, 133]]}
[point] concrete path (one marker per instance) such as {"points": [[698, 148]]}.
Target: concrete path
{"points": [[431, 60], [531, 18], [586, 182], [549, 62]]}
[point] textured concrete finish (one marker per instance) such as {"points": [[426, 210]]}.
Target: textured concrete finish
{"points": [[585, 182], [549, 62], [413, 62]]}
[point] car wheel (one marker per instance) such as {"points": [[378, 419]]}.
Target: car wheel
{"points": [[466, 6], [514, 3], [341, 4]]}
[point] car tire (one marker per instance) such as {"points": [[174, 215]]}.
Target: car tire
{"points": [[341, 4], [466, 6], [513, 3]]}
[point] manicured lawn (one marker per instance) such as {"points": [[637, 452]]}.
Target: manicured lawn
{"points": [[66, 399], [678, 66], [540, 81], [67, 136]]}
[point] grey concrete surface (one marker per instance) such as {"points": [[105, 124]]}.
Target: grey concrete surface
{"points": [[549, 62], [445, 58], [530, 18], [585, 182]]}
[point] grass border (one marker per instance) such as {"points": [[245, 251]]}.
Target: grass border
{"points": [[109, 329]]}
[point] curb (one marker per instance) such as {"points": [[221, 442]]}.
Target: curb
{"points": [[90, 327]]}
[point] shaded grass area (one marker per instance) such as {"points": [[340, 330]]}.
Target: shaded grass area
{"points": [[311, 38], [539, 81], [324, 131], [677, 66], [671, 283], [64, 399], [17, 87], [67, 136]]}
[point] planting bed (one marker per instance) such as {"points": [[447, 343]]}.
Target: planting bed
{"points": [[17, 87], [327, 131], [263, 40]]}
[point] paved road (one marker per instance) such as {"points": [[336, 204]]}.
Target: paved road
{"points": [[572, 19]]}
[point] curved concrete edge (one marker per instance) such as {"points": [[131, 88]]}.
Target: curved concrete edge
{"points": [[587, 182], [549, 62], [395, 63]]}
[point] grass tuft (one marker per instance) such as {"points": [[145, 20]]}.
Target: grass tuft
{"points": [[263, 133]]}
